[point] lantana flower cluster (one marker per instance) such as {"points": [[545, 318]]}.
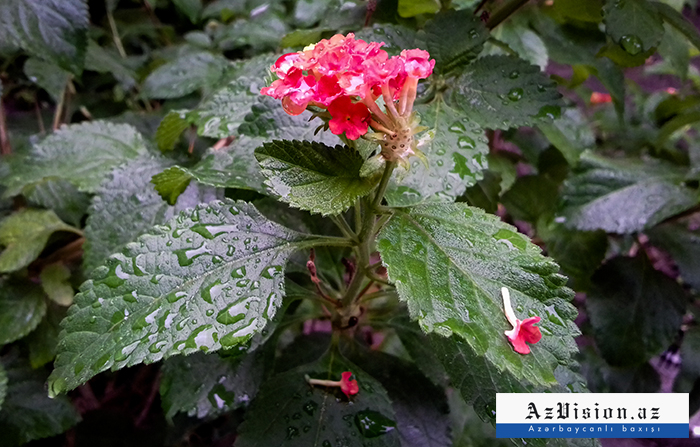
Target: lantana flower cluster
{"points": [[346, 76]]}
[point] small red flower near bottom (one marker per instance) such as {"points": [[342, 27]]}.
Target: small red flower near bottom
{"points": [[523, 330], [347, 386], [349, 117]]}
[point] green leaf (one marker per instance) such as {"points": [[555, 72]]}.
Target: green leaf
{"points": [[579, 253], [679, 22], [42, 341], [48, 76], [206, 385], [22, 306], [220, 115], [581, 10], [24, 235], [420, 406], [126, 205], [268, 120], [287, 411], [499, 92], [680, 239], [623, 195], [622, 58], [449, 263], [412, 8], [61, 196], [521, 39], [231, 167], [28, 413], [395, 37], [455, 149], [188, 73], [634, 24], [106, 60], [222, 284], [571, 134], [191, 8], [635, 311], [416, 343], [313, 176], [454, 39], [531, 197], [170, 129], [81, 153], [55, 282], [55, 30], [479, 380], [674, 48]]}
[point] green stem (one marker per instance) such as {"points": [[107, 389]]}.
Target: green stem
{"points": [[365, 237], [115, 32], [329, 241], [342, 224], [503, 13]]}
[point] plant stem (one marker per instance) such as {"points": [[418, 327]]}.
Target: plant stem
{"points": [[502, 14], [342, 224], [115, 33], [365, 237], [59, 108]]}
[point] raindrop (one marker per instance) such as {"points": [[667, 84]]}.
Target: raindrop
{"points": [[515, 94], [372, 424], [631, 44]]}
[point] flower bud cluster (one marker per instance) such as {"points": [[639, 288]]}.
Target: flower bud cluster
{"points": [[346, 76]]}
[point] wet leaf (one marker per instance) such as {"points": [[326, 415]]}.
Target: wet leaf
{"points": [[61, 196], [81, 153], [50, 29], [191, 71], [313, 176], [206, 385], [127, 205], [48, 76], [634, 24], [288, 411], [233, 166], [499, 92], [623, 195], [455, 149], [209, 279], [449, 262], [454, 39]]}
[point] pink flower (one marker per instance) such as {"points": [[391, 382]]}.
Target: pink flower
{"points": [[347, 386], [523, 331], [417, 63], [346, 76], [351, 118]]}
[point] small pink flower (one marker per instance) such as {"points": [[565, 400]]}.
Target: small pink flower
{"points": [[523, 331], [347, 386], [351, 118]]}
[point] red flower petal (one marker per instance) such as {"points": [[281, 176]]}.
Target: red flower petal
{"points": [[347, 386], [524, 331]]}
